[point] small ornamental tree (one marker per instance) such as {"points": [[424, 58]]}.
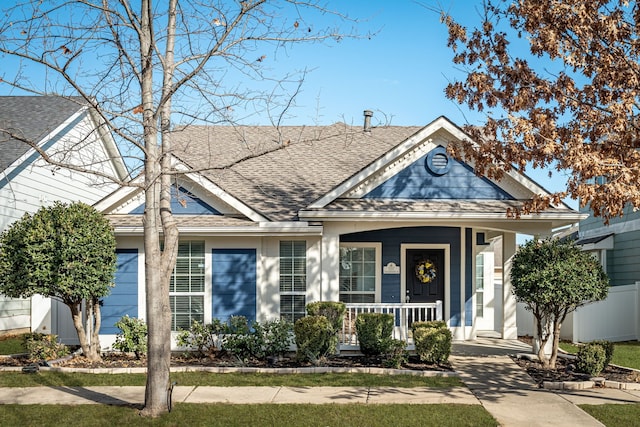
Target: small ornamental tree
{"points": [[553, 278], [66, 252]]}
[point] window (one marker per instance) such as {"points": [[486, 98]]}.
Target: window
{"points": [[358, 274], [293, 279], [186, 290], [480, 285]]}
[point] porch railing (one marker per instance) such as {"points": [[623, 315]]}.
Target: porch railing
{"points": [[404, 314]]}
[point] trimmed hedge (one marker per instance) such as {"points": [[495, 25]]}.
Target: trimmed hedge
{"points": [[432, 340], [334, 312], [314, 338], [591, 359], [374, 332]]}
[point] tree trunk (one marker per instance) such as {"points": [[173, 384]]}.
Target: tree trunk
{"points": [[543, 338], [95, 331], [556, 341], [76, 316]]}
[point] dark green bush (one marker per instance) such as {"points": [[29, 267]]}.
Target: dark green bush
{"points": [[374, 332], [132, 337], [608, 347], [261, 340], [203, 339], [240, 341], [396, 354], [276, 336], [590, 359], [314, 338], [44, 347], [334, 312], [433, 344], [438, 324]]}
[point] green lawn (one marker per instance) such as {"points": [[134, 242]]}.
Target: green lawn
{"points": [[624, 354], [11, 345], [18, 379], [251, 415], [614, 414]]}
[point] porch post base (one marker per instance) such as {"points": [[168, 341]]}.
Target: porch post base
{"points": [[510, 333]]}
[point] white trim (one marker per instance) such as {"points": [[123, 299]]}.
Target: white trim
{"points": [[447, 272], [329, 215], [218, 192], [378, 247], [231, 231], [20, 160], [401, 155]]}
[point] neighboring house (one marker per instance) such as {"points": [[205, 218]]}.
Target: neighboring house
{"points": [[66, 130], [617, 246], [272, 219]]}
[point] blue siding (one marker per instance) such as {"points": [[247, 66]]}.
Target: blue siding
{"points": [[392, 239], [417, 182], [184, 203], [123, 299], [468, 277], [234, 283]]}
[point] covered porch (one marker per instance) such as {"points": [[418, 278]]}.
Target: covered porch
{"points": [[404, 314]]}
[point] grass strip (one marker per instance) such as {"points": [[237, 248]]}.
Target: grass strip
{"points": [[251, 415], [72, 379], [614, 414]]}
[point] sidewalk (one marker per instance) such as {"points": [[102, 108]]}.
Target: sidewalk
{"points": [[275, 395]]}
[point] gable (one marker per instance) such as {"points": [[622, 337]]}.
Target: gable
{"points": [[435, 175], [183, 202]]}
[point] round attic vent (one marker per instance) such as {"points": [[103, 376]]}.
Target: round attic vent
{"points": [[438, 161]]}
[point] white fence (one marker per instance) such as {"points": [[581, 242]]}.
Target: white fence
{"points": [[616, 318], [404, 314]]}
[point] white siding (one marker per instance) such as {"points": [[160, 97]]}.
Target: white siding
{"points": [[36, 184]]}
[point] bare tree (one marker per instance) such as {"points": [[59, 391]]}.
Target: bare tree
{"points": [[141, 66]]}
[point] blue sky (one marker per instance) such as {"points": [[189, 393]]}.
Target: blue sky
{"points": [[400, 73]]}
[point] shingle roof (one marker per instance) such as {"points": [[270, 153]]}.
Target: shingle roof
{"points": [[34, 117], [283, 170]]}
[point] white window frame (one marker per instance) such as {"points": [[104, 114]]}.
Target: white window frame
{"points": [[292, 292], [191, 294], [378, 257]]}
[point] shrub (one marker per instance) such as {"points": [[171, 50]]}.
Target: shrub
{"points": [[438, 324], [276, 337], [591, 359], [261, 340], [374, 332], [396, 354], [132, 337], [240, 341], [314, 337], [44, 347], [433, 344], [204, 339], [334, 312], [608, 347]]}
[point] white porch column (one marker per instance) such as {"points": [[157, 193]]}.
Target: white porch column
{"points": [[330, 285], [509, 326]]}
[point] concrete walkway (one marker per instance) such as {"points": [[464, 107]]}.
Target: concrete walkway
{"points": [[240, 395], [492, 378], [512, 397]]}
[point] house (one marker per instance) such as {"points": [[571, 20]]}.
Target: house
{"points": [[617, 246], [68, 131], [378, 217]]}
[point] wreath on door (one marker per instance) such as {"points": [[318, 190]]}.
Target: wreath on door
{"points": [[426, 271]]}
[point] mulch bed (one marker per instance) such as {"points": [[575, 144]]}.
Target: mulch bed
{"points": [[565, 371], [221, 359]]}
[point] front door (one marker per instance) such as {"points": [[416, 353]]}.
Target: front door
{"points": [[424, 275]]}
